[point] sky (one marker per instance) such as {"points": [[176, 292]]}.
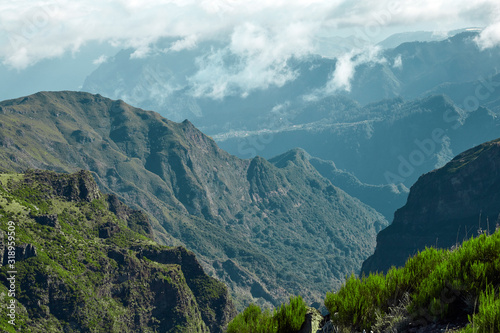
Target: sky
{"points": [[263, 33]]}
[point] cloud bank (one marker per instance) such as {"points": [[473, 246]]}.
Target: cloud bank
{"points": [[262, 36], [32, 30]]}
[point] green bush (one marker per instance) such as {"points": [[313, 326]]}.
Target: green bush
{"points": [[253, 320], [439, 284], [487, 319], [290, 317], [287, 319]]}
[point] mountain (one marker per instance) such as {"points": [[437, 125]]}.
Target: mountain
{"points": [[168, 81], [397, 39], [482, 92], [444, 207], [257, 225], [83, 263], [388, 142], [411, 69], [386, 199]]}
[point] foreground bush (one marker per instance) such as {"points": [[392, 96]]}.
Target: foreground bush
{"points": [[438, 284], [287, 319], [252, 320]]}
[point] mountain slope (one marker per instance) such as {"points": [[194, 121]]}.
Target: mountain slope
{"points": [[386, 199], [444, 207], [80, 266], [255, 225], [392, 141]]}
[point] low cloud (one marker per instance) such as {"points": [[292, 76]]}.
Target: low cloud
{"points": [[398, 62], [346, 67], [489, 37], [256, 58], [186, 43], [262, 36], [102, 59]]}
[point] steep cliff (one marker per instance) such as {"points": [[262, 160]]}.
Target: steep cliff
{"points": [[444, 207]]}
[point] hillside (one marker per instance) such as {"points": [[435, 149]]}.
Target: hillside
{"points": [[255, 225], [386, 199], [84, 264], [444, 207], [436, 291]]}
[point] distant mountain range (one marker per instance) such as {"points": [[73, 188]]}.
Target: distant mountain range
{"points": [[389, 94], [409, 70], [444, 207], [388, 142], [266, 228]]}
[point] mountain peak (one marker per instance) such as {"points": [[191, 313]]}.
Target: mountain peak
{"points": [[296, 156]]}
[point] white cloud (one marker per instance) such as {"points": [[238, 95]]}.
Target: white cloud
{"points": [[262, 36], [256, 58], [32, 30], [489, 37], [398, 62], [186, 43], [102, 59], [346, 67]]}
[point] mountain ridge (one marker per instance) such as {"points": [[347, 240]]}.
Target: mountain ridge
{"points": [[246, 219], [444, 207]]}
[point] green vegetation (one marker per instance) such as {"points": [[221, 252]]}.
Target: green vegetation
{"points": [[253, 320], [288, 318], [433, 286], [270, 218], [80, 268]]}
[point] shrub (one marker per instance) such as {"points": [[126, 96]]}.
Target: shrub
{"points": [[290, 317], [438, 284], [487, 319], [252, 320], [287, 319]]}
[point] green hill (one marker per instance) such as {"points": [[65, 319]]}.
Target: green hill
{"points": [[83, 263]]}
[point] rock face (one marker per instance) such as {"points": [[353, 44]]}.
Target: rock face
{"points": [[85, 269], [312, 322], [444, 207], [270, 218]]}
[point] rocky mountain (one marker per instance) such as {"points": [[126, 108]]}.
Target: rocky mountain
{"points": [[444, 207], [482, 92], [397, 39], [84, 262], [257, 225]]}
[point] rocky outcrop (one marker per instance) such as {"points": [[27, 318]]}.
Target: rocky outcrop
{"points": [[444, 207], [74, 187], [136, 219], [313, 321], [86, 270], [214, 311]]}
